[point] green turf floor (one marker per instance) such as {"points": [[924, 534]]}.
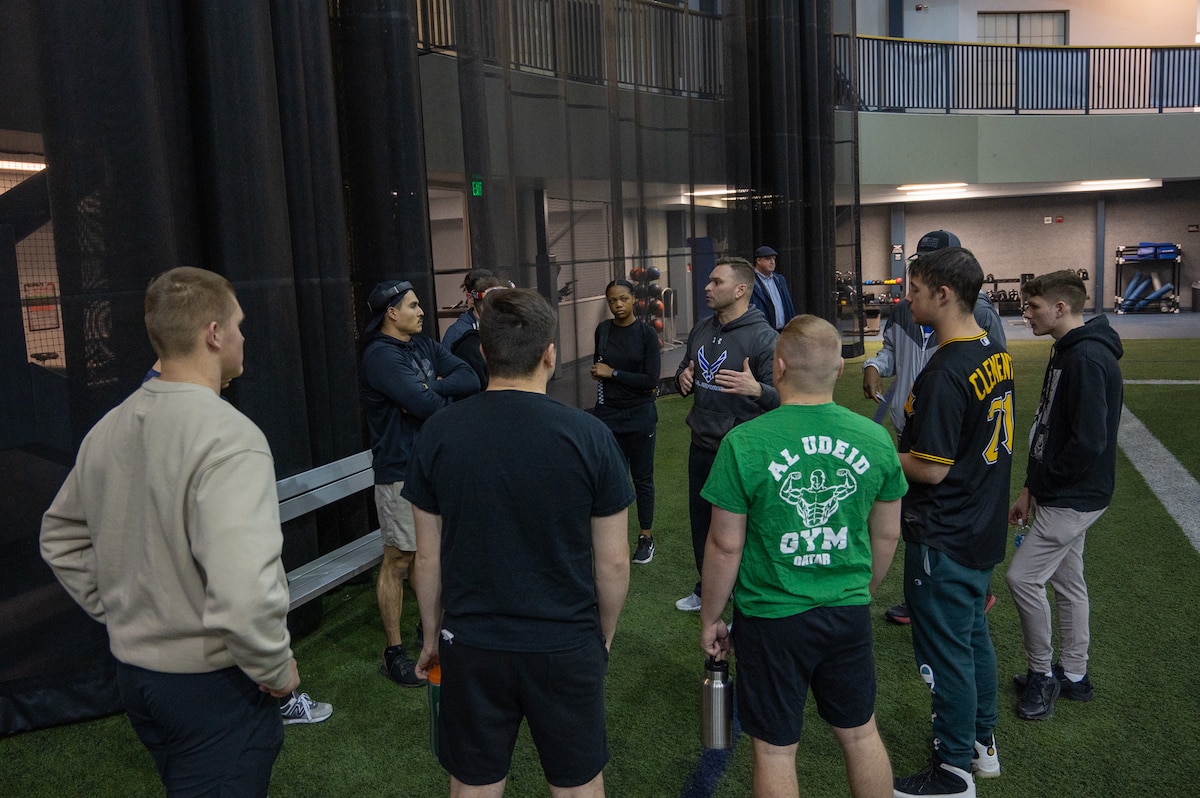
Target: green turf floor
{"points": [[1138, 738]]}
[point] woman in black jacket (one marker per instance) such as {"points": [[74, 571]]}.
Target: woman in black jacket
{"points": [[627, 367]]}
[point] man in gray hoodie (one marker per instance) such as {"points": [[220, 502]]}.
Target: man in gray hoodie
{"points": [[727, 366]]}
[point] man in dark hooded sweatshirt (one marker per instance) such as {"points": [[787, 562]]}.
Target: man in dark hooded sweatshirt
{"points": [[1068, 486], [728, 367], [404, 379]]}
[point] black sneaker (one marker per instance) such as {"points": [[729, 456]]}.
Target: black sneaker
{"points": [[1081, 690], [1037, 700], [645, 549], [938, 778], [898, 614], [399, 667], [1075, 691]]}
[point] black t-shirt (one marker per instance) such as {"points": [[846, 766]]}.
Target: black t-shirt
{"points": [[517, 478], [960, 413]]}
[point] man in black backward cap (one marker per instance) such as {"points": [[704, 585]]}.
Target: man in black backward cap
{"points": [[404, 378]]}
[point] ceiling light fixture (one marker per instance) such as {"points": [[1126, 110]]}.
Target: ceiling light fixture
{"points": [[716, 192], [21, 166], [936, 193], [1124, 181], [929, 186]]}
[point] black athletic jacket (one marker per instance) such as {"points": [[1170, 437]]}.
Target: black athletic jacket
{"points": [[1073, 443]]}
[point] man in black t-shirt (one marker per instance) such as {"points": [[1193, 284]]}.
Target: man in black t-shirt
{"points": [[525, 553], [956, 450]]}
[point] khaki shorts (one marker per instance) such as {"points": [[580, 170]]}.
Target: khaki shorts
{"points": [[396, 523]]}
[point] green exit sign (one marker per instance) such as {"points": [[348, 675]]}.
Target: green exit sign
{"points": [[476, 188]]}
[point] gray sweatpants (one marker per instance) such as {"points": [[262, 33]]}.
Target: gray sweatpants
{"points": [[1052, 552]]}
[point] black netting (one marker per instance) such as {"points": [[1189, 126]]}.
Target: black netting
{"points": [[291, 145], [175, 134]]}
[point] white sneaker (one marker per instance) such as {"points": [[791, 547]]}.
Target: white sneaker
{"points": [[986, 764], [689, 603], [302, 709]]}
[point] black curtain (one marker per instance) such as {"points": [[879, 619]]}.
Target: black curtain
{"points": [[176, 133], [488, 145], [790, 145], [320, 268], [383, 146]]}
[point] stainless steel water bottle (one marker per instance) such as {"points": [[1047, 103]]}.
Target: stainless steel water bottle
{"points": [[716, 705]]}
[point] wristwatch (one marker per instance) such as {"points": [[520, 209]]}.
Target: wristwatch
{"points": [[614, 374]]}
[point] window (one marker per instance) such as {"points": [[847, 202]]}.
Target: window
{"points": [[1048, 28]]}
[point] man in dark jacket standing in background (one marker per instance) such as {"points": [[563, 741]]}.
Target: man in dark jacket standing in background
{"points": [[1068, 486], [769, 292], [728, 366], [404, 379]]}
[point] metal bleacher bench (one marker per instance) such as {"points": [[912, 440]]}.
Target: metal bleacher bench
{"points": [[303, 493]]}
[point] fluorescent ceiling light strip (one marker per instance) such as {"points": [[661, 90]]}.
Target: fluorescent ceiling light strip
{"points": [[21, 166], [716, 192], [1118, 182], [943, 192], [929, 186]]}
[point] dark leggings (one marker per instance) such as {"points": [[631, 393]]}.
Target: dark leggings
{"points": [[635, 429], [638, 448]]}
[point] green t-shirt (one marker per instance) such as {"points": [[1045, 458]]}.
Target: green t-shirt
{"points": [[806, 477]]}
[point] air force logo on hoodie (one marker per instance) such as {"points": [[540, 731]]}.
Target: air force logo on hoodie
{"points": [[709, 369]]}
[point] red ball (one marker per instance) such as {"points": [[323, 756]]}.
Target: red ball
{"points": [[657, 325], [637, 274], [640, 307], [656, 307]]}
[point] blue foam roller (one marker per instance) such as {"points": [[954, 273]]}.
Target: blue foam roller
{"points": [[1159, 294], [1132, 290]]}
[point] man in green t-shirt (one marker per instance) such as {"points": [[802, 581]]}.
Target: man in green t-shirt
{"points": [[806, 516]]}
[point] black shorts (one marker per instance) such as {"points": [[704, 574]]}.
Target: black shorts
{"points": [[779, 659], [486, 693]]}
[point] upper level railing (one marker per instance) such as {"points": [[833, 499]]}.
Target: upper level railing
{"points": [[903, 75], [659, 48]]}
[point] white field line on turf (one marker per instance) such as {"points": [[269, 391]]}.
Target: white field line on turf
{"points": [[1168, 479], [1162, 382]]}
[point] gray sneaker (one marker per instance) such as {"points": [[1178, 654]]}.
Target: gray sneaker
{"points": [[689, 603], [302, 709]]}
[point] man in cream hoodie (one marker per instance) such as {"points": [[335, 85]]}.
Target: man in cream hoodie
{"points": [[167, 531]]}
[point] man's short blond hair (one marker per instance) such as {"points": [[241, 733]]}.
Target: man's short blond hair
{"points": [[812, 349], [183, 301]]}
